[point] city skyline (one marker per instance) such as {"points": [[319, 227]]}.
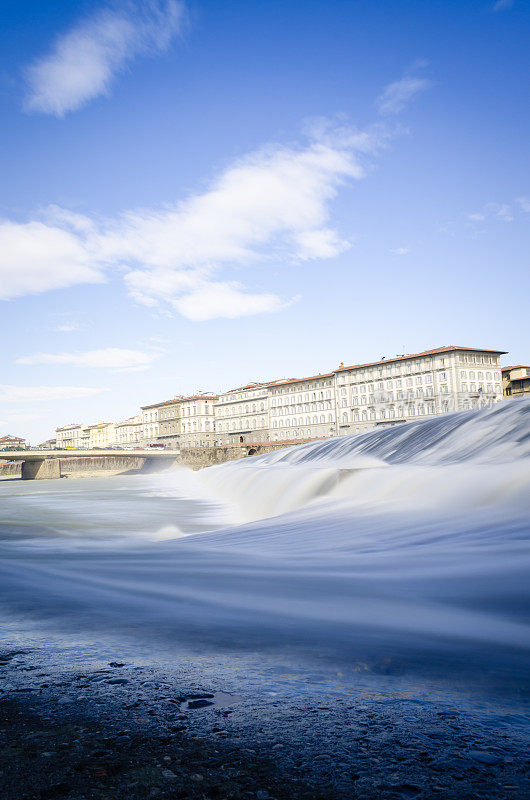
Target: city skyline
{"points": [[214, 196]]}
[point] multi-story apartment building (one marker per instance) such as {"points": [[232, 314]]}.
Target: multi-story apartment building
{"points": [[197, 420], [102, 434], [303, 408], [516, 381], [242, 414], [150, 426], [12, 443], [168, 422], [70, 436], [129, 432], [416, 386]]}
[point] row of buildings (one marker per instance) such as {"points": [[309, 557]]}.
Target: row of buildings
{"points": [[349, 399]]}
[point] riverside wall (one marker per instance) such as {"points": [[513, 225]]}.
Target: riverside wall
{"points": [[200, 457], [82, 466], [10, 469]]}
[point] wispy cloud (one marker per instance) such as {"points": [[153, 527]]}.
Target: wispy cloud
{"points": [[68, 327], [400, 251], [502, 5], [500, 211], [523, 203], [84, 61], [397, 95], [108, 358], [36, 394], [272, 207]]}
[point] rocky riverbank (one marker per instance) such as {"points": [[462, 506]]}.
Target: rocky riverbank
{"points": [[124, 732]]}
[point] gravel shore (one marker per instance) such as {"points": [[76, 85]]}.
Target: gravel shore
{"points": [[127, 733]]}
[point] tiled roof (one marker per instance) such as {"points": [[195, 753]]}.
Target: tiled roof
{"points": [[517, 366], [448, 349], [301, 380], [181, 400]]}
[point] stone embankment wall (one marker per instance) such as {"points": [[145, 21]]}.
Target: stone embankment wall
{"points": [[199, 457], [80, 466], [10, 469]]}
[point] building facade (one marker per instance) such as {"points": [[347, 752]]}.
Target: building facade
{"points": [[150, 427], [412, 387], [197, 420], [516, 381], [303, 408], [70, 437], [350, 399], [12, 443], [102, 434], [242, 415], [129, 432]]}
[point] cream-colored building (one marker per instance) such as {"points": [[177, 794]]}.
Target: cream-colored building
{"points": [[102, 434], [303, 408], [129, 432], [168, 422], [197, 420], [412, 387], [242, 415], [150, 426], [70, 436], [516, 381]]}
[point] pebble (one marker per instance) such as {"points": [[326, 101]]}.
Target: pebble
{"points": [[169, 774]]}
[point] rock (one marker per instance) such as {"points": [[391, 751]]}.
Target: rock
{"points": [[484, 757], [116, 664], [262, 794], [197, 777], [57, 790], [199, 703], [168, 774], [118, 681]]}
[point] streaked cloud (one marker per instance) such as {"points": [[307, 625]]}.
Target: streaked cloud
{"points": [[397, 95], [400, 251], [271, 207], [502, 5], [36, 394], [84, 60], [108, 358]]}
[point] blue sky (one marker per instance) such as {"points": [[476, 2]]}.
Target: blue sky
{"points": [[196, 195]]}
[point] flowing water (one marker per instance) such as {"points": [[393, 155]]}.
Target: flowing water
{"points": [[398, 555]]}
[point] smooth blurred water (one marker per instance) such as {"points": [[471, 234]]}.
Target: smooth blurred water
{"points": [[404, 551]]}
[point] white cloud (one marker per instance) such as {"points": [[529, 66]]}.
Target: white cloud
{"points": [[85, 59], [500, 211], [36, 394], [68, 327], [524, 204], [400, 251], [36, 256], [109, 358], [396, 96], [225, 300], [271, 207], [502, 5]]}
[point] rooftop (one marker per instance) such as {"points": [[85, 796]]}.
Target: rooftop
{"points": [[448, 349]]}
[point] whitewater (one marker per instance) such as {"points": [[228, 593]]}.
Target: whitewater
{"points": [[400, 551]]}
